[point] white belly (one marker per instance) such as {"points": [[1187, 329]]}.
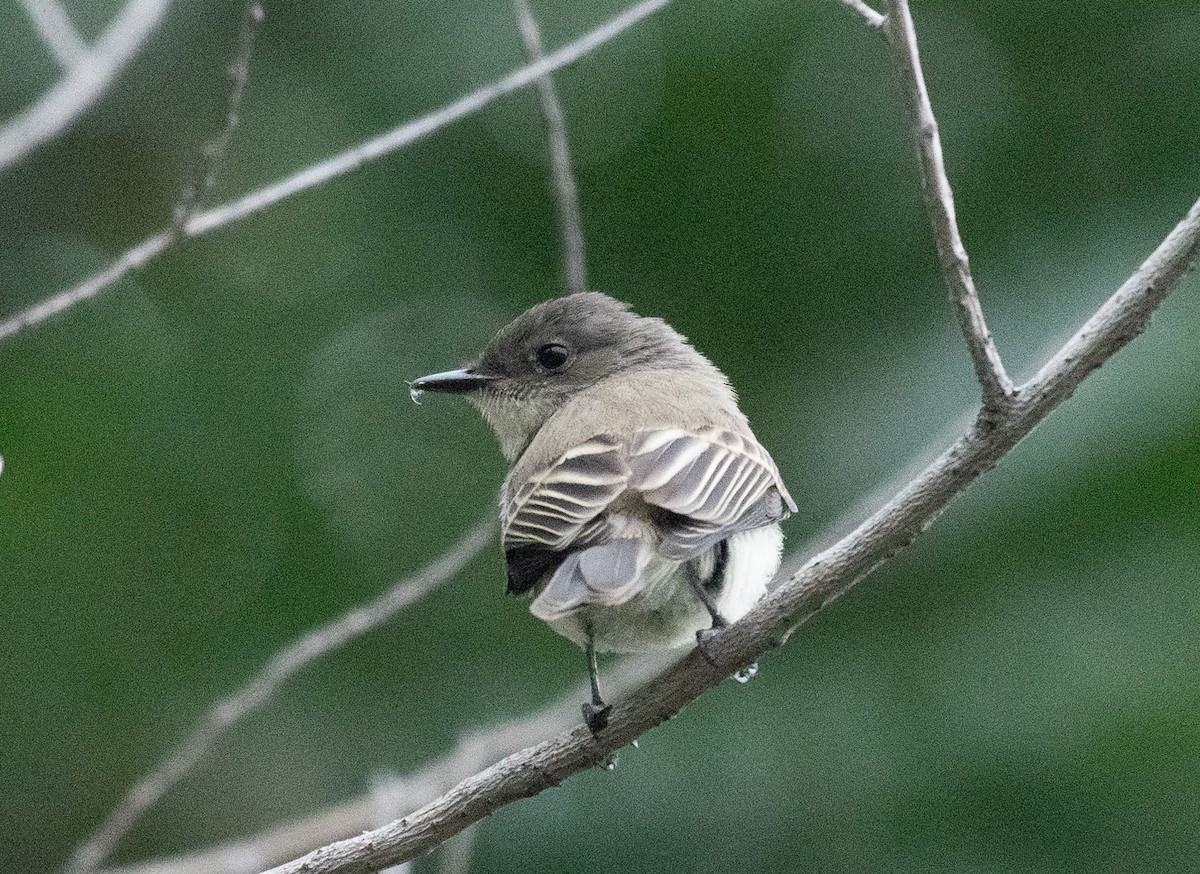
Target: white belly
{"points": [[666, 613]]}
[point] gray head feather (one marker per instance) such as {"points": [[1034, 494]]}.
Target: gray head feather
{"points": [[561, 347], [601, 336]]}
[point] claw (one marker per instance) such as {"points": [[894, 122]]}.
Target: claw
{"points": [[596, 716], [702, 637]]}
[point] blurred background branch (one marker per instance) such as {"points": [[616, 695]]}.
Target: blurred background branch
{"points": [[566, 192], [213, 150], [208, 220], [195, 746], [83, 83], [57, 31]]}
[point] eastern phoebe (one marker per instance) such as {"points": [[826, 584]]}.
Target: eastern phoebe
{"points": [[640, 510]]}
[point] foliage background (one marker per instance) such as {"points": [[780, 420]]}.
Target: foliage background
{"points": [[220, 454]]}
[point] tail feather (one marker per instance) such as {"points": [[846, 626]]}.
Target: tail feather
{"points": [[607, 576]]}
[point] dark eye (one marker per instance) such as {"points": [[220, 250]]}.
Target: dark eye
{"points": [[552, 356]]}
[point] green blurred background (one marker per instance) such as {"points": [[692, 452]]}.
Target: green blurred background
{"points": [[219, 453]]}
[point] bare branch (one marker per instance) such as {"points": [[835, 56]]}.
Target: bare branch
{"points": [[405, 794], [401, 796], [283, 665], [874, 19], [214, 150], [83, 84], [939, 203], [205, 221], [566, 192], [57, 31], [420, 128], [151, 247], [823, 580]]}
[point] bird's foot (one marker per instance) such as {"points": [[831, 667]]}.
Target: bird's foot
{"points": [[596, 715], [703, 637]]}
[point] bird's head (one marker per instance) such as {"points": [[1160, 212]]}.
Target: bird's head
{"points": [[553, 351]]}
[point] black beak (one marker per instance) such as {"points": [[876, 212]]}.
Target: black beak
{"points": [[451, 382]]}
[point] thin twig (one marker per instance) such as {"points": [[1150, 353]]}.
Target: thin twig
{"points": [[939, 203], [205, 221], [214, 149], [820, 582], [57, 31], [873, 18], [83, 84], [284, 664], [565, 190], [404, 794], [140, 255]]}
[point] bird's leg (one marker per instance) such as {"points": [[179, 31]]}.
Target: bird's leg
{"points": [[718, 621], [720, 557], [706, 598], [710, 604], [595, 713]]}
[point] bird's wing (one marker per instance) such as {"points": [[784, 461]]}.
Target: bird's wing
{"points": [[709, 483], [712, 482], [560, 509]]}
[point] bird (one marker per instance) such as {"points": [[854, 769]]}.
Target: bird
{"points": [[640, 512]]}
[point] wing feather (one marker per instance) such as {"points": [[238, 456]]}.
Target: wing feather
{"points": [[708, 483], [556, 507], [714, 483]]}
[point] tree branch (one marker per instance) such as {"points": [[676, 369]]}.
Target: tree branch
{"points": [[874, 19], [1013, 413], [83, 84], [252, 854], [283, 665], [565, 191], [823, 580], [56, 30], [140, 255], [939, 203], [402, 795], [214, 149], [205, 221]]}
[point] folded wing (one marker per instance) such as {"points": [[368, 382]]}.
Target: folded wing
{"points": [[712, 483], [560, 509], [699, 486]]}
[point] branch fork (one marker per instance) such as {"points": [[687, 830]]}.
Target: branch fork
{"points": [[1007, 415], [997, 387]]}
